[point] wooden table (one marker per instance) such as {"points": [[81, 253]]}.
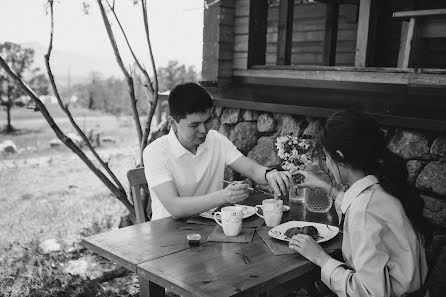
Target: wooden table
{"points": [[159, 253]]}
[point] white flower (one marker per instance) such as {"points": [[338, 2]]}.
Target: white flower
{"points": [[288, 148]]}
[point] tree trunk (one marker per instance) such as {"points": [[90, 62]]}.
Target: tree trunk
{"points": [[90, 102], [9, 127]]}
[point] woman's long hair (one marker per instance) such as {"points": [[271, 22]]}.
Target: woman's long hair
{"points": [[363, 147]]}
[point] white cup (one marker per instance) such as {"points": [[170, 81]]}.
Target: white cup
{"points": [[231, 220], [272, 211]]}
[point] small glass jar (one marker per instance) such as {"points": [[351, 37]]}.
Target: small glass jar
{"points": [[318, 200], [296, 194], [194, 239]]}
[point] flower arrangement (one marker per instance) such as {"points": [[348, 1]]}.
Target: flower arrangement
{"points": [[295, 152]]}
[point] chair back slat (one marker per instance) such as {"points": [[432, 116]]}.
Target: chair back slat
{"points": [[138, 184], [136, 176]]}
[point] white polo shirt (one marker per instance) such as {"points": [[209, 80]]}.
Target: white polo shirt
{"points": [[166, 159]]}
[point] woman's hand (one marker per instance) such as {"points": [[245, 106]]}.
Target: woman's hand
{"points": [[279, 181], [235, 193], [310, 249], [311, 181]]}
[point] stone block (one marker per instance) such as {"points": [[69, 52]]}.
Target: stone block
{"points": [[265, 152], [433, 178], [435, 209], [244, 136], [313, 128], [218, 110], [8, 146], [266, 123], [250, 115], [409, 144], [289, 125], [438, 147], [414, 167], [230, 116], [225, 130], [215, 123]]}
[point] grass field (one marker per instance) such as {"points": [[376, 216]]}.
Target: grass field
{"points": [[49, 193]]}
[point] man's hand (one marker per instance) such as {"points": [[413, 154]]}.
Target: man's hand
{"points": [[235, 193], [279, 181]]}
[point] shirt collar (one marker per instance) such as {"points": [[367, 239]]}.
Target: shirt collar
{"points": [[356, 189], [179, 150]]}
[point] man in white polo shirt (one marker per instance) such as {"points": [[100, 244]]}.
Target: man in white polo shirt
{"points": [[185, 169]]}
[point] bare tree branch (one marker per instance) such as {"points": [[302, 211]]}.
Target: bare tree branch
{"points": [[154, 103], [121, 196], [65, 107], [141, 68], [123, 69]]}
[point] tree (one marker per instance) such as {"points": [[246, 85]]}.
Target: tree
{"points": [[150, 84], [20, 60], [175, 73]]}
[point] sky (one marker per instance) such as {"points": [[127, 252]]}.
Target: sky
{"points": [[176, 28]]}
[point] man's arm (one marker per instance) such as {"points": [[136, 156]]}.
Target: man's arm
{"points": [[278, 180], [180, 207]]}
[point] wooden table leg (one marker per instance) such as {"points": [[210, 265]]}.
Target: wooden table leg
{"points": [[150, 289]]}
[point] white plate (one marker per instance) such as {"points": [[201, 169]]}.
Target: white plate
{"points": [[247, 212], [326, 232]]}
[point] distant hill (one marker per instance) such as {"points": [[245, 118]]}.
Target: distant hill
{"points": [[77, 66]]}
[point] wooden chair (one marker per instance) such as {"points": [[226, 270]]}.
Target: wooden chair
{"points": [[418, 24], [138, 184]]}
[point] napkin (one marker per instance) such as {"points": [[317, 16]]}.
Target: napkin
{"points": [[246, 235], [201, 221], [278, 247], [251, 222]]}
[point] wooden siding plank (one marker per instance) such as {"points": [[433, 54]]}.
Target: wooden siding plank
{"points": [[242, 8], [363, 33], [241, 43], [419, 13], [241, 25], [285, 32], [433, 28], [331, 34]]}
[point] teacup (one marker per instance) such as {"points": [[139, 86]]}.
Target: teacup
{"points": [[272, 211], [231, 220]]}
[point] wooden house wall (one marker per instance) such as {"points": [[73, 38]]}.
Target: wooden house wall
{"points": [[241, 29], [309, 30]]}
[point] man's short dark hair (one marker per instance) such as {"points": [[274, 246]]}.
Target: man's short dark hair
{"points": [[188, 98]]}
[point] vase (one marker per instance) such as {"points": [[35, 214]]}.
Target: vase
{"points": [[318, 200]]}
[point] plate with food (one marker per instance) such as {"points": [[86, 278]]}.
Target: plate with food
{"points": [[319, 232]]}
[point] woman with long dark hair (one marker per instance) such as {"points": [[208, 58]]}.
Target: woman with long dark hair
{"points": [[382, 215]]}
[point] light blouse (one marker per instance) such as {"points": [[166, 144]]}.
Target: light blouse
{"points": [[383, 254]]}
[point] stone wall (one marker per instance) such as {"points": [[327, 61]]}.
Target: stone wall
{"points": [[254, 134]]}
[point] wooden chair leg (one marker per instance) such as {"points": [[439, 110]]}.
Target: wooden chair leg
{"points": [[150, 289], [409, 39]]}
